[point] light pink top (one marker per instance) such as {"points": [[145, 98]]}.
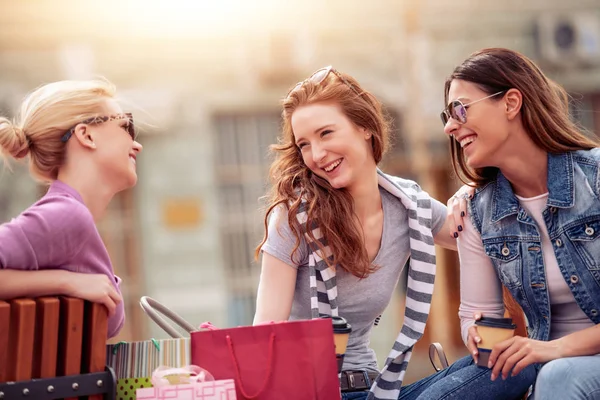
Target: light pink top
{"points": [[481, 291]]}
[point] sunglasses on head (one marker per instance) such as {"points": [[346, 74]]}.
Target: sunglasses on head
{"points": [[100, 120], [458, 111], [319, 76]]}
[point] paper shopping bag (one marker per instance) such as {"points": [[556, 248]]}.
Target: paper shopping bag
{"points": [[188, 383], [287, 360], [215, 390], [134, 362]]}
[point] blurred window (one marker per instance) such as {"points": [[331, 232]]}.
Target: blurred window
{"points": [[242, 162]]}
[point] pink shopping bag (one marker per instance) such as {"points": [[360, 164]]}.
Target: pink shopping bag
{"points": [[188, 383], [215, 390], [288, 360]]}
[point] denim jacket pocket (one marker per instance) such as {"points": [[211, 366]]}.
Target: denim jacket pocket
{"points": [[586, 240], [506, 257]]}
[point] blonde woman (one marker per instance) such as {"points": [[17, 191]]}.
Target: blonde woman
{"points": [[81, 143]]}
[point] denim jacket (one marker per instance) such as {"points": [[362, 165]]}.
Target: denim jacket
{"points": [[512, 241]]}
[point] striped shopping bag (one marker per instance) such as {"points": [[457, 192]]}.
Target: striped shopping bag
{"points": [[134, 362]]}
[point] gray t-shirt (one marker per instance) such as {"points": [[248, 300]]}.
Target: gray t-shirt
{"points": [[360, 301]]}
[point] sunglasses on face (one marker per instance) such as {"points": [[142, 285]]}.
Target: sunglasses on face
{"points": [[319, 76], [100, 120], [458, 111]]}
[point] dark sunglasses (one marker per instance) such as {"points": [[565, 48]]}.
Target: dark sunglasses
{"points": [[319, 76], [458, 111], [100, 120]]}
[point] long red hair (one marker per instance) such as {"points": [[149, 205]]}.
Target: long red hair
{"points": [[332, 210]]}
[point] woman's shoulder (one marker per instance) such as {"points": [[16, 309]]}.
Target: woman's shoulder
{"points": [[62, 206], [58, 214], [591, 156], [400, 181]]}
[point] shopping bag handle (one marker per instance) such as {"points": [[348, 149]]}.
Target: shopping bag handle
{"points": [[237, 367], [436, 348], [152, 308]]}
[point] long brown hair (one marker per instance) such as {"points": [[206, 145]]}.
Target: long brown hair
{"points": [[544, 112], [332, 210]]}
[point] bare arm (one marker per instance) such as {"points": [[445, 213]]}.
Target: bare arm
{"points": [[275, 290], [15, 283], [585, 342], [93, 287], [443, 237], [441, 226]]}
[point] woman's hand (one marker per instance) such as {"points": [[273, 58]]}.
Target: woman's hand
{"points": [[473, 339], [96, 288], [457, 209], [519, 352]]}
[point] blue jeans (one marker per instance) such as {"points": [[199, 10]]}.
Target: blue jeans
{"points": [[463, 380], [569, 378]]}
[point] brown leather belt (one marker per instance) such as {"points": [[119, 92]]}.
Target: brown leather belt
{"points": [[356, 381]]}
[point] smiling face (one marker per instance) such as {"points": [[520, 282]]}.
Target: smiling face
{"points": [[116, 151], [484, 135], [332, 147]]}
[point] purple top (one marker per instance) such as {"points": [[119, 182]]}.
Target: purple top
{"points": [[58, 232]]}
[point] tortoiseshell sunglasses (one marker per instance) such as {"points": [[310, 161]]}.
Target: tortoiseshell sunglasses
{"points": [[100, 120]]}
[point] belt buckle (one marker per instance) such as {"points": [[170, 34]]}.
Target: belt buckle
{"points": [[350, 378], [352, 381]]}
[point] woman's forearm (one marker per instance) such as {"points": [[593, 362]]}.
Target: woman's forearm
{"points": [[443, 238], [585, 342], [16, 283]]}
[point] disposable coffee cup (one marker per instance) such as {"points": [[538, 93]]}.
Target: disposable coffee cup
{"points": [[492, 331], [341, 333]]}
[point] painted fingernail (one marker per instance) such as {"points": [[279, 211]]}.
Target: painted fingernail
{"points": [[490, 365], [455, 235], [460, 228], [493, 377], [478, 339], [462, 213]]}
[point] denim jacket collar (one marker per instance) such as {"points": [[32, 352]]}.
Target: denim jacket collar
{"points": [[559, 194]]}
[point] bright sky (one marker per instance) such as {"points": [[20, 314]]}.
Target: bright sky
{"points": [[175, 18]]}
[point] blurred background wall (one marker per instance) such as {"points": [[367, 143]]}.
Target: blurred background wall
{"points": [[204, 80]]}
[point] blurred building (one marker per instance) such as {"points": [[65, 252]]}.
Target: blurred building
{"points": [[204, 83]]}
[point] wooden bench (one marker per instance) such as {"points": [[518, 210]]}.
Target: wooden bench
{"points": [[54, 347]]}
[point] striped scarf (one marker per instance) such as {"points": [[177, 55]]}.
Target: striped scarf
{"points": [[421, 274]]}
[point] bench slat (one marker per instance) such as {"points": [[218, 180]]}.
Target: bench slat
{"points": [[5, 324], [51, 337], [70, 336], [95, 337], [46, 341], [21, 338]]}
